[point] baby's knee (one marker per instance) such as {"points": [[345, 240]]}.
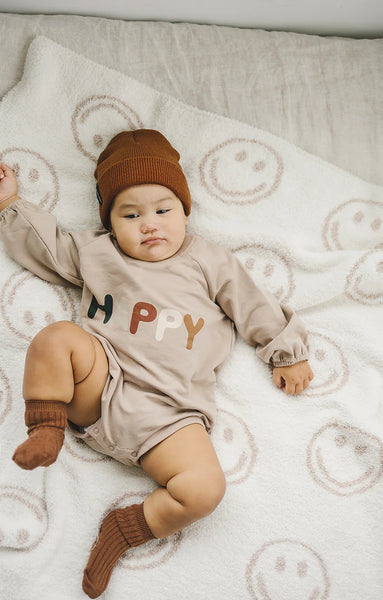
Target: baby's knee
{"points": [[203, 492], [53, 336]]}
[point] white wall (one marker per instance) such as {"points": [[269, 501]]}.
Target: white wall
{"points": [[356, 18]]}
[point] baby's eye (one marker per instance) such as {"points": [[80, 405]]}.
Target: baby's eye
{"points": [[162, 211], [131, 216]]}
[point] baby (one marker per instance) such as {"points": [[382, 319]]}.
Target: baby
{"points": [[136, 380]]}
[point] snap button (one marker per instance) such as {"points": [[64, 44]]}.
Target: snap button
{"points": [[111, 448], [134, 453], [96, 430]]}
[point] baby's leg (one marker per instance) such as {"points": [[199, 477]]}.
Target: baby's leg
{"points": [[65, 372], [193, 484]]}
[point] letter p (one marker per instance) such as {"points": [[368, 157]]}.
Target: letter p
{"points": [[167, 319], [142, 311]]}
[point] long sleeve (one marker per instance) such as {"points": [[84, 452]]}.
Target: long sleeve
{"points": [[31, 237], [275, 331]]}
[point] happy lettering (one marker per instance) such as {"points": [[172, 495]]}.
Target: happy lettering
{"points": [[144, 312]]}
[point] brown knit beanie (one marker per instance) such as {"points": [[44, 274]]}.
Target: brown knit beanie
{"points": [[134, 158]]}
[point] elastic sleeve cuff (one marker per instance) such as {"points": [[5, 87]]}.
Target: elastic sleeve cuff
{"points": [[288, 362], [11, 206]]}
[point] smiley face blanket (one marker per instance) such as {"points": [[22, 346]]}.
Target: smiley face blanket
{"points": [[301, 519]]}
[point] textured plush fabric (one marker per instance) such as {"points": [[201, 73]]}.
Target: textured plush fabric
{"points": [[303, 509], [322, 94]]}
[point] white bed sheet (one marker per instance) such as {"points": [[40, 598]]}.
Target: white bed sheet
{"points": [[323, 94]]}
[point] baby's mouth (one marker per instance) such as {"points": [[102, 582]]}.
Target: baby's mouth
{"points": [[152, 240]]}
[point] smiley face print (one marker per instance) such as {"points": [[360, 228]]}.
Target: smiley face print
{"points": [[97, 119], [288, 570], [354, 225], [329, 365], [345, 460], [22, 307], [235, 446], [36, 178], [268, 268], [365, 280], [5, 396], [23, 518], [241, 171]]}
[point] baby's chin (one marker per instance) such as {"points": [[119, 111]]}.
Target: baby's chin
{"points": [[158, 254]]}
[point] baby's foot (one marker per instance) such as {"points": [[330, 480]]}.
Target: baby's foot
{"points": [[108, 548], [40, 449], [121, 529]]}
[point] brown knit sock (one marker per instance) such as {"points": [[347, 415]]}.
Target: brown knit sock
{"points": [[121, 529], [46, 421]]}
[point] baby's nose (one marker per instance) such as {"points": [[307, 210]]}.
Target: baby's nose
{"points": [[149, 227]]}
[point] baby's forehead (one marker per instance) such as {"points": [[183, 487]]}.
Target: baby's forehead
{"points": [[145, 194]]}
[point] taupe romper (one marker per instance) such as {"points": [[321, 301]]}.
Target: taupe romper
{"points": [[166, 326]]}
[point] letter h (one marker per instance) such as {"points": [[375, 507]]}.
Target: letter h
{"points": [[107, 308]]}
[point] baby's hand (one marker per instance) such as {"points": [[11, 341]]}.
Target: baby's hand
{"points": [[8, 186], [293, 379]]}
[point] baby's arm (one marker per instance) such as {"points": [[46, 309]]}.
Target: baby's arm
{"points": [[8, 186], [31, 237], [276, 332], [294, 378]]}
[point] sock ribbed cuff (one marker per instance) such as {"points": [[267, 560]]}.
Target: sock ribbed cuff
{"points": [[132, 524], [45, 413]]}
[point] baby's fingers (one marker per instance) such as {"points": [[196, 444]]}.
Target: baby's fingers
{"points": [[293, 386], [290, 387], [5, 171], [299, 388], [278, 380]]}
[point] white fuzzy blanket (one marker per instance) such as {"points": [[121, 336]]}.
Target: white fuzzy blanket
{"points": [[302, 516]]}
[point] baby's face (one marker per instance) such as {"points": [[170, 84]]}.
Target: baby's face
{"points": [[148, 222]]}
